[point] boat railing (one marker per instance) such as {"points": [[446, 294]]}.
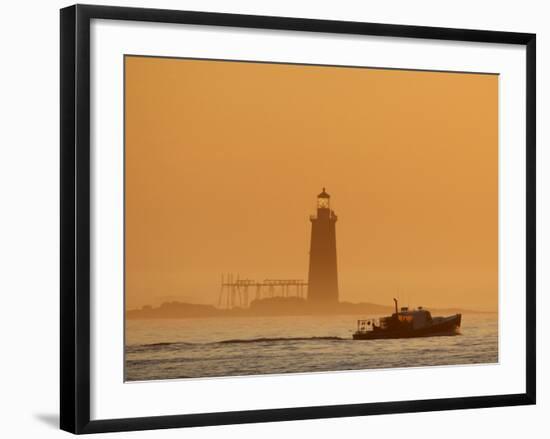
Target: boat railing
{"points": [[367, 325]]}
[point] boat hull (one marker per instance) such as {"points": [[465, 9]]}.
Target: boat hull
{"points": [[443, 327]]}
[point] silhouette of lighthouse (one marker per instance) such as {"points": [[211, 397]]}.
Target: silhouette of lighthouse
{"points": [[323, 273]]}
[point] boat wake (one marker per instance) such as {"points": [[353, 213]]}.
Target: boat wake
{"points": [[237, 341], [266, 339]]}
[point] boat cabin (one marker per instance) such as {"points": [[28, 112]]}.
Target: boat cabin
{"points": [[404, 318], [418, 318]]}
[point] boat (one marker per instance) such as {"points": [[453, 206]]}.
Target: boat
{"points": [[407, 323]]}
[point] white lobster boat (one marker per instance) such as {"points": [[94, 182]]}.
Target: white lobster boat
{"points": [[407, 323]]}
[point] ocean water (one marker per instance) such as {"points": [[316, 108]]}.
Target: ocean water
{"points": [[215, 347]]}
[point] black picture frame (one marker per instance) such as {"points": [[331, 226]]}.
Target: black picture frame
{"points": [[75, 217]]}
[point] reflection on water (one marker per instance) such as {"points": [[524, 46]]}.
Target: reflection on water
{"points": [[211, 347]]}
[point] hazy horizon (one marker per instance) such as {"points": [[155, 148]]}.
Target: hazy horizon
{"points": [[224, 161], [410, 305]]}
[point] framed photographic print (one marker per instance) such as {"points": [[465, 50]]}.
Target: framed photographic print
{"points": [[268, 218]]}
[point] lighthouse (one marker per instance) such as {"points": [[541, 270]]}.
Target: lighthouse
{"points": [[323, 273]]}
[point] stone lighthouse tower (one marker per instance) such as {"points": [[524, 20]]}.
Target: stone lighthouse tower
{"points": [[323, 274]]}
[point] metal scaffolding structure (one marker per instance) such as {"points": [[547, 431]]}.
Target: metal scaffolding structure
{"points": [[235, 292]]}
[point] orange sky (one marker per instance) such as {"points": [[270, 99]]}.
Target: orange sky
{"points": [[224, 161]]}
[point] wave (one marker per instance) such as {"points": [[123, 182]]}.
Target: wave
{"points": [[239, 340], [266, 339]]}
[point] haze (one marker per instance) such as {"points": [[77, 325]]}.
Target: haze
{"points": [[224, 161]]}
